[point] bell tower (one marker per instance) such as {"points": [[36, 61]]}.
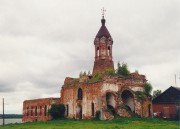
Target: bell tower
{"points": [[103, 49]]}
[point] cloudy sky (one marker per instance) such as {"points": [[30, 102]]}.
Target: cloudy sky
{"points": [[44, 41]]}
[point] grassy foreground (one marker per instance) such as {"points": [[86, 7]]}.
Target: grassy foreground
{"points": [[120, 123]]}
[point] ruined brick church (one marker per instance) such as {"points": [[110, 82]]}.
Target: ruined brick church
{"points": [[83, 98]]}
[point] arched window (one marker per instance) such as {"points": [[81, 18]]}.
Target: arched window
{"points": [[109, 51], [97, 51], [92, 109], [80, 94], [45, 110]]}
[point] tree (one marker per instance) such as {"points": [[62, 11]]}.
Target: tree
{"points": [[123, 69], [148, 88], [156, 93], [57, 111]]}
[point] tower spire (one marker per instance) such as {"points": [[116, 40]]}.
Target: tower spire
{"points": [[103, 12]]}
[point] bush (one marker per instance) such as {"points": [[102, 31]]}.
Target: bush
{"points": [[57, 111], [109, 72], [123, 69], [148, 89], [98, 114]]}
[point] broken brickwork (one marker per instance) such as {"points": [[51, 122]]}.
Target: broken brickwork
{"points": [[37, 109], [117, 92]]}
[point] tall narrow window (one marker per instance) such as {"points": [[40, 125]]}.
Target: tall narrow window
{"points": [[92, 109], [67, 110], [149, 109], [97, 51], [109, 51], [31, 111], [40, 113], [80, 94], [27, 111], [45, 110], [36, 111]]}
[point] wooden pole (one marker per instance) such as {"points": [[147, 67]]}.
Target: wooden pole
{"points": [[3, 111]]}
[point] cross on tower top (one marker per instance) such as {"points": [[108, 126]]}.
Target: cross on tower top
{"points": [[103, 12]]}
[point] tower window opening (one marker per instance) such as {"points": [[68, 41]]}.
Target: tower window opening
{"points": [[97, 51], [109, 51]]}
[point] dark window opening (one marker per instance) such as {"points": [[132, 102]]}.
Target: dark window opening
{"points": [[67, 108], [31, 111], [45, 110], [36, 111], [80, 94], [40, 113], [92, 109], [149, 109]]}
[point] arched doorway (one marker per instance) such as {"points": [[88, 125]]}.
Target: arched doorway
{"points": [[110, 101], [79, 112], [80, 94], [128, 100]]}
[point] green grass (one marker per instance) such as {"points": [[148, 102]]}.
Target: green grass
{"points": [[120, 123]]}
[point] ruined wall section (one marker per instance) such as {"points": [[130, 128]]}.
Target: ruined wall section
{"points": [[37, 109], [67, 98], [92, 96]]}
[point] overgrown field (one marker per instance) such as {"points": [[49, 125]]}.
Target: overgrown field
{"points": [[120, 123]]}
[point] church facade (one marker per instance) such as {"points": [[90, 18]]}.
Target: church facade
{"points": [[109, 96]]}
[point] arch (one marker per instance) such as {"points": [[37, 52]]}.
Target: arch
{"points": [[80, 94], [111, 102], [79, 112], [128, 99], [92, 109]]}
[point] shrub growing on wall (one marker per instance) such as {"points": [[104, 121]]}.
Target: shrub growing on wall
{"points": [[57, 111], [123, 69]]}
